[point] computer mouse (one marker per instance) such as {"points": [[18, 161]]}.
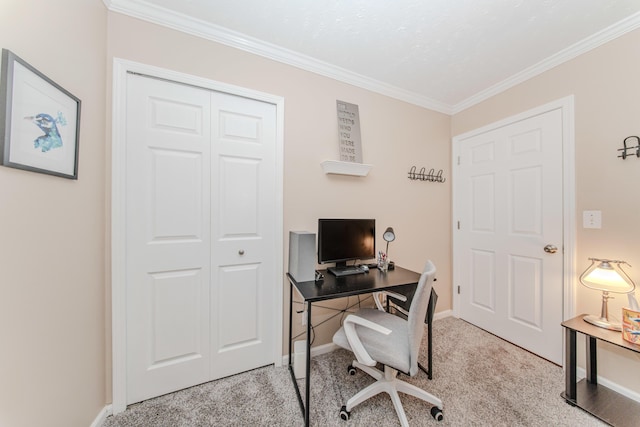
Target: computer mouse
{"points": [[364, 267]]}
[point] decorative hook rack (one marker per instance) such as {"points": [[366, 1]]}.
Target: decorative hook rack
{"points": [[431, 176], [625, 149]]}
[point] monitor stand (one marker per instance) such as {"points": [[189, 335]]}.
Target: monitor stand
{"points": [[341, 269]]}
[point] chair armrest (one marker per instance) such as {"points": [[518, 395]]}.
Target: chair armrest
{"points": [[376, 298], [354, 340]]}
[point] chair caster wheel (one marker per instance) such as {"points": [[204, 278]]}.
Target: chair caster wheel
{"points": [[344, 414], [351, 370], [437, 414]]}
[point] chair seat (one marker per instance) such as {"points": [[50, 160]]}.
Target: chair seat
{"points": [[391, 350]]}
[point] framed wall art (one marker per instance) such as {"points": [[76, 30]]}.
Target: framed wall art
{"points": [[39, 121]]}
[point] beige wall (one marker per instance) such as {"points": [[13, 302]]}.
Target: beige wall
{"points": [[55, 368], [52, 304], [605, 84], [395, 136]]}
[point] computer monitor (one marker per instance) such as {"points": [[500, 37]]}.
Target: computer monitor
{"points": [[342, 240]]}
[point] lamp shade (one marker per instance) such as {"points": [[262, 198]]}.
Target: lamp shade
{"points": [[389, 235], [607, 275]]}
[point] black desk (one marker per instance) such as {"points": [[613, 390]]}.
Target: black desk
{"points": [[602, 402], [332, 287]]}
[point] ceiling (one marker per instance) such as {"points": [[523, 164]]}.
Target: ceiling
{"points": [[441, 54]]}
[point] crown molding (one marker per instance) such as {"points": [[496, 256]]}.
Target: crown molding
{"points": [[610, 33], [151, 13], [158, 15]]}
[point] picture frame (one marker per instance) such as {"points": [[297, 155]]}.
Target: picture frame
{"points": [[39, 121]]}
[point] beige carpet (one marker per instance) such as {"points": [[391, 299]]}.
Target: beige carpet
{"points": [[482, 380]]}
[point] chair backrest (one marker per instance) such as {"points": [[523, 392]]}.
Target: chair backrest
{"points": [[417, 313]]}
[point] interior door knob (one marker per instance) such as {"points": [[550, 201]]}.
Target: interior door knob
{"points": [[241, 251], [550, 249]]}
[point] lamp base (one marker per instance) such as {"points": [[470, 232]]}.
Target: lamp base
{"points": [[602, 322]]}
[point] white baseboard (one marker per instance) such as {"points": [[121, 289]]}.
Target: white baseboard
{"points": [[327, 348], [581, 373], [442, 314], [315, 351], [102, 415]]}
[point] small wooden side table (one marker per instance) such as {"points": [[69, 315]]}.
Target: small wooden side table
{"points": [[600, 401]]}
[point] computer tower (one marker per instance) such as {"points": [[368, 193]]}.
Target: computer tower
{"points": [[302, 255]]}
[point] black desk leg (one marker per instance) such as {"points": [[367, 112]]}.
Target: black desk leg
{"points": [[290, 321], [293, 376], [570, 369], [592, 361], [430, 350], [308, 368]]}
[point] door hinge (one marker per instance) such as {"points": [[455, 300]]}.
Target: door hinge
{"points": [[458, 225], [458, 160], [458, 289]]}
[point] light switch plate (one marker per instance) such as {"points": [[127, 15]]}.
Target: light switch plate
{"points": [[591, 219]]}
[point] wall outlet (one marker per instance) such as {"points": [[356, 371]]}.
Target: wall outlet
{"points": [[591, 219], [304, 318]]}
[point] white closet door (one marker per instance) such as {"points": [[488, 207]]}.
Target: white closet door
{"points": [[200, 235], [243, 261], [168, 236]]}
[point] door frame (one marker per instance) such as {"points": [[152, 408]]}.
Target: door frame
{"points": [[566, 106], [121, 68]]}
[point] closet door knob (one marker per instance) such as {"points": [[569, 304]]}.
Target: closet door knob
{"points": [[550, 249], [241, 252]]}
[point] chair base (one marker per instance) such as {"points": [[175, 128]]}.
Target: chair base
{"points": [[388, 382]]}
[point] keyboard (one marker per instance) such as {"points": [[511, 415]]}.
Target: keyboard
{"points": [[345, 271]]}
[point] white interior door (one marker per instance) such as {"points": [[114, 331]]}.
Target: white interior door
{"points": [[243, 259], [509, 207], [200, 221], [168, 237]]}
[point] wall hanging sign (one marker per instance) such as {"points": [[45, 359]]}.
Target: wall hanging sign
{"points": [[39, 121], [350, 144]]}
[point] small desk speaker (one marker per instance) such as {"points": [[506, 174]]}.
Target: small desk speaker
{"points": [[302, 255]]}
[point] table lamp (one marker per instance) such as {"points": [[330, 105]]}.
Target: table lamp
{"points": [[388, 236], [607, 276]]}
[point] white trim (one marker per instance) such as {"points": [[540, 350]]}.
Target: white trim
{"points": [[633, 395], [118, 244], [566, 106], [569, 207], [187, 24], [455, 300], [610, 33], [315, 351], [443, 314], [328, 348], [118, 204], [101, 417], [279, 232], [143, 10]]}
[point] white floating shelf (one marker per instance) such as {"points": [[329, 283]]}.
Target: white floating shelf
{"points": [[345, 168]]}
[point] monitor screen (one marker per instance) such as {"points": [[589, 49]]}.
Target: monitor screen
{"points": [[341, 240]]}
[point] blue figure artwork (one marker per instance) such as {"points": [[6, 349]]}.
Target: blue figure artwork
{"points": [[51, 138]]}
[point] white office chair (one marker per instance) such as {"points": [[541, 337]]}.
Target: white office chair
{"points": [[374, 335]]}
